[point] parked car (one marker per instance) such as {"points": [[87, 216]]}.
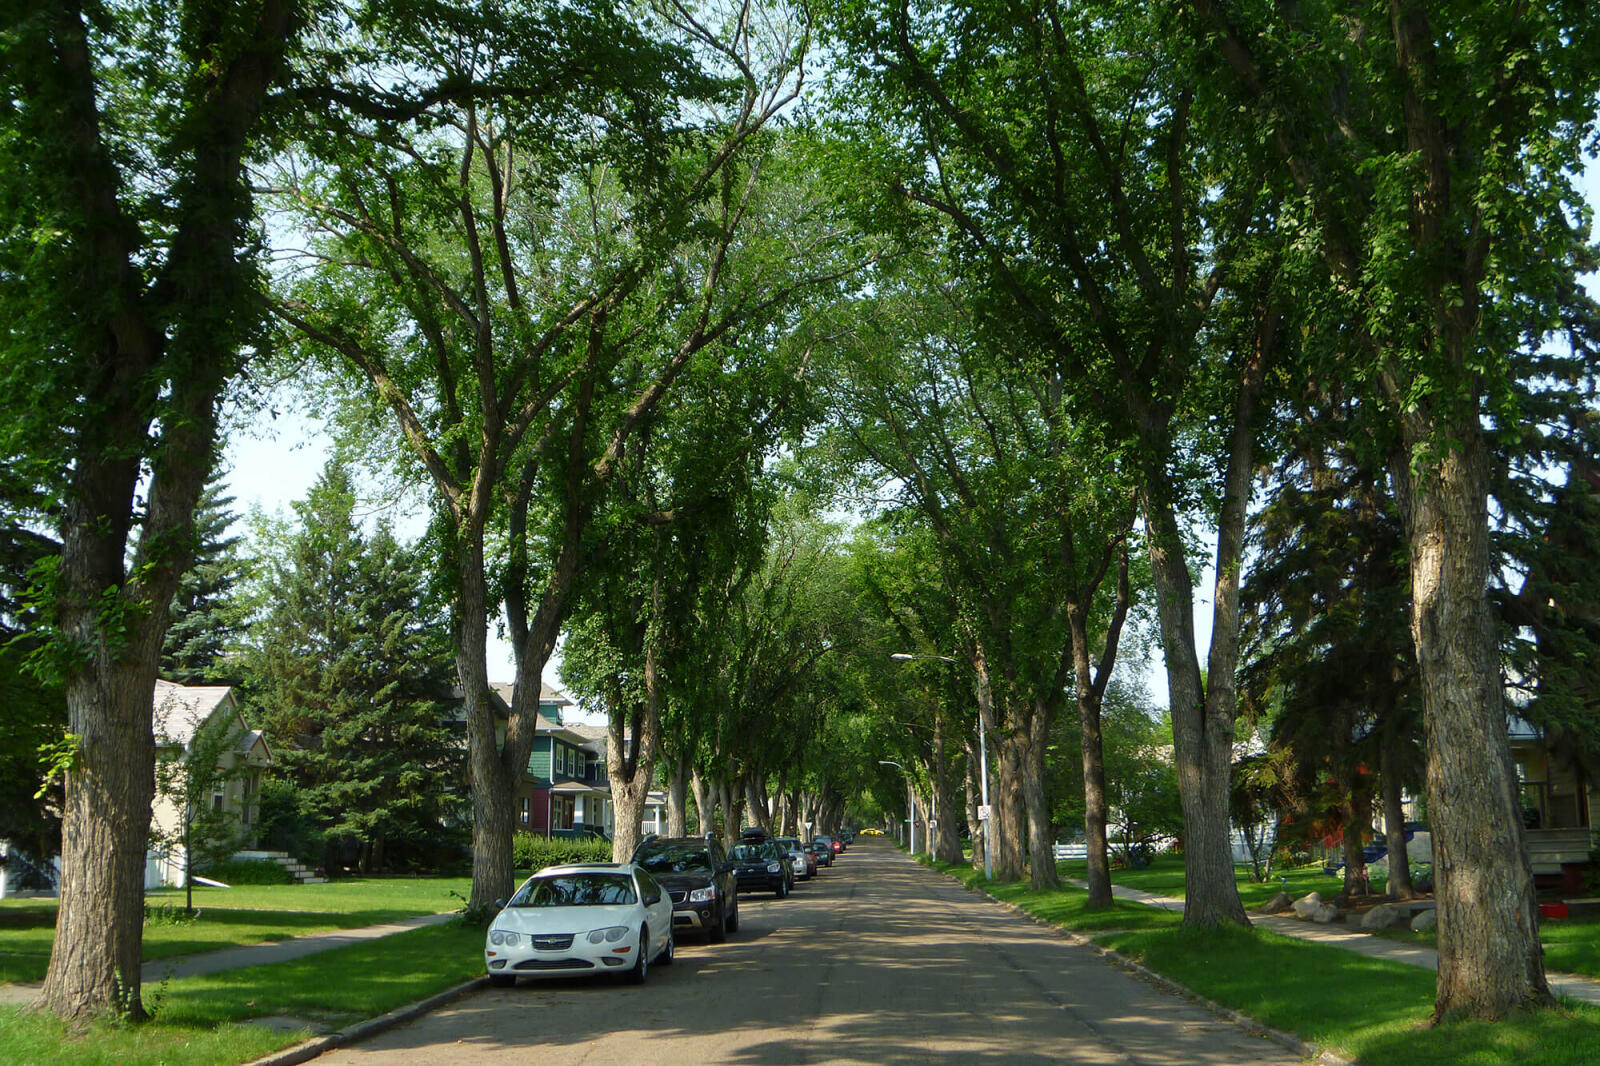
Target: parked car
{"points": [[823, 855], [805, 863], [762, 866], [825, 850], [831, 843], [589, 918], [699, 877]]}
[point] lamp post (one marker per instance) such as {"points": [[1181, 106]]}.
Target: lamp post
{"points": [[911, 801], [983, 764]]}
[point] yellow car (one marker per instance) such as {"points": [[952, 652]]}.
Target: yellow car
{"points": [[870, 832]]}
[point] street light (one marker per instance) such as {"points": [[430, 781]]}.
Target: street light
{"points": [[911, 800], [983, 766]]}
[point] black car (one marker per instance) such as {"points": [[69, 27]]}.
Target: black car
{"points": [[698, 876], [761, 866], [822, 850]]}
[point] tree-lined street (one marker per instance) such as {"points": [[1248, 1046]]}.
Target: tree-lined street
{"points": [[879, 961]]}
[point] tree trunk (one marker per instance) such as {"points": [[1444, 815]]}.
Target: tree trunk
{"points": [[755, 797], [1490, 960], [1202, 732], [678, 798], [1041, 838], [704, 802], [974, 799], [1094, 802], [730, 811], [1394, 814], [1007, 810], [947, 840], [94, 966]]}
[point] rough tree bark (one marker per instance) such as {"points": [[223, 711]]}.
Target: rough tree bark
{"points": [[678, 797]]}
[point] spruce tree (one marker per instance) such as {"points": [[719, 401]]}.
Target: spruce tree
{"points": [[350, 671], [207, 617]]}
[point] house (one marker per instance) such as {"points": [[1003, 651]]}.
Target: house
{"points": [[654, 819], [1558, 806], [563, 791], [201, 722]]}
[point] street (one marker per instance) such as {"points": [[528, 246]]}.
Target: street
{"points": [[878, 960]]}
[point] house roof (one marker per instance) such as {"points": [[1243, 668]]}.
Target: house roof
{"points": [[179, 711]]}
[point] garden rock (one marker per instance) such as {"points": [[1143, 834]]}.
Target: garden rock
{"points": [[1385, 916], [1424, 921], [1311, 908], [1278, 904]]}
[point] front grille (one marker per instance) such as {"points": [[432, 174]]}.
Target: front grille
{"points": [[554, 964], [679, 897], [553, 943]]}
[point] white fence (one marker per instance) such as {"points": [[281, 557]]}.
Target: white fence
{"points": [[1064, 852]]}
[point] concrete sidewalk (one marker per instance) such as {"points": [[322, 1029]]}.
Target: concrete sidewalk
{"points": [[180, 966], [1573, 986]]}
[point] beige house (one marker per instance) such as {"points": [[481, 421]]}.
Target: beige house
{"points": [[1559, 804], [202, 720]]}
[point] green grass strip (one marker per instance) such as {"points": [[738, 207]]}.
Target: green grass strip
{"points": [[233, 917], [207, 1019]]}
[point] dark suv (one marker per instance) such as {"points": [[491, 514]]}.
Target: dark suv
{"points": [[759, 863], [696, 873]]}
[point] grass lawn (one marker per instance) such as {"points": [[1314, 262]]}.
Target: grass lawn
{"points": [[248, 914], [1165, 877], [208, 1019], [1364, 1008]]}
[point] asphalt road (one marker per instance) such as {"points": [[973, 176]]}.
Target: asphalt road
{"points": [[878, 960]]}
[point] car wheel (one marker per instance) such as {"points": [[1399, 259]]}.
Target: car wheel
{"points": [[783, 890], [641, 965], [733, 919], [718, 931], [667, 953], [502, 980]]}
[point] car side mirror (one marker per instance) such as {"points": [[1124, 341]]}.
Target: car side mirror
{"points": [[652, 899]]}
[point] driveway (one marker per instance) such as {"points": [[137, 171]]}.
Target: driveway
{"points": [[877, 960]]}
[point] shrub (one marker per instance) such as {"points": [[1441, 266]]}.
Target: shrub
{"points": [[248, 872], [529, 852], [1422, 876]]}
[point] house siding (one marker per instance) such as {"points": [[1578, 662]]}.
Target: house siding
{"points": [[539, 763]]}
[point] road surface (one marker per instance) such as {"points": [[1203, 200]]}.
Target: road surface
{"points": [[877, 960]]}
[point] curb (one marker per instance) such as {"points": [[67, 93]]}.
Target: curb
{"points": [[317, 1045], [1285, 1040]]}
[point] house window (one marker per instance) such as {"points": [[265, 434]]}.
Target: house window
{"points": [[561, 759], [561, 811], [581, 761], [525, 810]]}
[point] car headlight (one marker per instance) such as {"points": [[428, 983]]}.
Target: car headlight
{"points": [[612, 933], [703, 895], [774, 867], [509, 939]]}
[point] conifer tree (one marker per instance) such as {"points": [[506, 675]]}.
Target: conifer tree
{"points": [[350, 672], [207, 617]]}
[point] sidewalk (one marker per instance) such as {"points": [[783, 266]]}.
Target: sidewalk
{"points": [[1573, 986], [180, 966]]}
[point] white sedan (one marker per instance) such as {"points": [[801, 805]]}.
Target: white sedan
{"points": [[570, 920]]}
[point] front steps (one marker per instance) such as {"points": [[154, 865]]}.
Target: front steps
{"points": [[301, 875]]}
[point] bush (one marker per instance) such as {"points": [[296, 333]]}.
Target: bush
{"points": [[248, 872], [529, 852], [1422, 876]]}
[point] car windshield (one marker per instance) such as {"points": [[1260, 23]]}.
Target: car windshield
{"points": [[676, 859], [748, 852], [576, 890]]}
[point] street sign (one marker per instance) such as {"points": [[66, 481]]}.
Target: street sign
{"points": [[983, 812]]}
